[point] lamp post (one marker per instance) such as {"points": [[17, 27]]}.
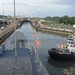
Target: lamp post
{"points": [[3, 14], [14, 30], [38, 12], [15, 60]]}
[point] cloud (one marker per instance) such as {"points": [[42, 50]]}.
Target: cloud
{"points": [[47, 7], [15, 4], [61, 2]]}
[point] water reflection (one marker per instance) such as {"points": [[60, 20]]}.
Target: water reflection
{"points": [[37, 41], [68, 71], [57, 34], [67, 66], [60, 63]]}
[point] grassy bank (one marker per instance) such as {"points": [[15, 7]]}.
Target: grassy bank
{"points": [[62, 26]]}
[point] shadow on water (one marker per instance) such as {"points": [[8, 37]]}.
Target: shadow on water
{"points": [[60, 63]]}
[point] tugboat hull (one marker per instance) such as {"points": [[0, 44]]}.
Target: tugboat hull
{"points": [[59, 56]]}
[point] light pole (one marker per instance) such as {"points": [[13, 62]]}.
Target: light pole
{"points": [[38, 12], [15, 60], [14, 30], [3, 14]]}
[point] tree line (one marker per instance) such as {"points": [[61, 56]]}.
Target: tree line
{"points": [[64, 19], [1, 16]]}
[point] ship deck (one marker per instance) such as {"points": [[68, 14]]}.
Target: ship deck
{"points": [[22, 64]]}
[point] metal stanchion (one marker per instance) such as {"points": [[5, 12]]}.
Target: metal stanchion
{"points": [[15, 59]]}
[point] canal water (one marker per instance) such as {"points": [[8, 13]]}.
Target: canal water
{"points": [[43, 42]]}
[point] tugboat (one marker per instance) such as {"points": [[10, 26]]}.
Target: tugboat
{"points": [[64, 51]]}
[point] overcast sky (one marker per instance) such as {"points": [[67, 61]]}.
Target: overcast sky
{"points": [[40, 8]]}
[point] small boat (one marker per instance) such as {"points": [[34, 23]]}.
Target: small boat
{"points": [[64, 51]]}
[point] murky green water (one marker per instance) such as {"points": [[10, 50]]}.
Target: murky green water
{"points": [[43, 42]]}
